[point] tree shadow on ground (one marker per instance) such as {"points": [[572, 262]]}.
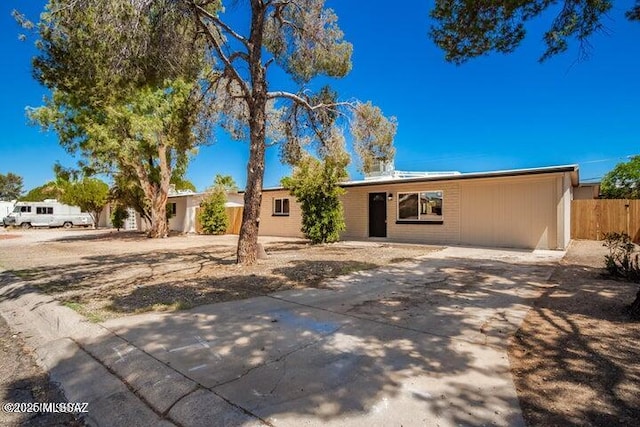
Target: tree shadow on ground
{"points": [[576, 357], [190, 293], [314, 273], [412, 344], [305, 355], [165, 279]]}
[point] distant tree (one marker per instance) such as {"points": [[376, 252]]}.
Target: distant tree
{"points": [[47, 191], [90, 194], [125, 79], [119, 215], [10, 186], [623, 182], [466, 29], [226, 183], [213, 216], [314, 183], [182, 183]]}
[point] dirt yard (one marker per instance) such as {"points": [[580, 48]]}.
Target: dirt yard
{"points": [[576, 358], [104, 274]]}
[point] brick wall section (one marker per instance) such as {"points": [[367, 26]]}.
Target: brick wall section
{"points": [[286, 226], [356, 209]]}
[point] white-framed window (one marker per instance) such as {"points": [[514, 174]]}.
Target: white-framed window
{"points": [[420, 206], [281, 207]]}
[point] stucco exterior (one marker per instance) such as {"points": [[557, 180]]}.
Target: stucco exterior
{"points": [[520, 209]]}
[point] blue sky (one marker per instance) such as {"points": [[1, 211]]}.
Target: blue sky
{"points": [[492, 113]]}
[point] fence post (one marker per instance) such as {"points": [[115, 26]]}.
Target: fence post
{"points": [[627, 225]]}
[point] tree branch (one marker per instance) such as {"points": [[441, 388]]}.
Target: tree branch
{"points": [[303, 102], [224, 26], [227, 62]]}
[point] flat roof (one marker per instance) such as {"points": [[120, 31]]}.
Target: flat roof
{"points": [[573, 169]]}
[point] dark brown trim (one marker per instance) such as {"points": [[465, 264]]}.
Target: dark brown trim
{"points": [[419, 222]]}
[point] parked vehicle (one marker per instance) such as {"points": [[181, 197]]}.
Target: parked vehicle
{"points": [[48, 213]]}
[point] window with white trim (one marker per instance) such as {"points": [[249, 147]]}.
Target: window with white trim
{"points": [[281, 207], [420, 206]]}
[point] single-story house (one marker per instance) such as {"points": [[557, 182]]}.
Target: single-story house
{"points": [[183, 205], [524, 208]]}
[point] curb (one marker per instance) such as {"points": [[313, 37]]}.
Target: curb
{"points": [[53, 331], [122, 384]]}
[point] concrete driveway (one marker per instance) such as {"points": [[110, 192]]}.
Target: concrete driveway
{"points": [[419, 343]]}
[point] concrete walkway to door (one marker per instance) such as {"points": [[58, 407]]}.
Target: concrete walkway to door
{"points": [[419, 343]]}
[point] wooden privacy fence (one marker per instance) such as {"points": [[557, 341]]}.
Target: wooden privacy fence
{"points": [[592, 219], [235, 220]]}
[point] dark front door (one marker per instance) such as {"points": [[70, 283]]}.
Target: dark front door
{"points": [[377, 214]]}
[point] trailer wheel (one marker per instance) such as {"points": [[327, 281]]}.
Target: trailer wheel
{"points": [[67, 225], [26, 225]]}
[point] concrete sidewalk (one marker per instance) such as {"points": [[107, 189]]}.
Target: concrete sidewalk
{"points": [[419, 343]]}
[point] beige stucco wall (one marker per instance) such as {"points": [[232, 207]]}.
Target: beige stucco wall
{"points": [[286, 226], [510, 212], [531, 211]]}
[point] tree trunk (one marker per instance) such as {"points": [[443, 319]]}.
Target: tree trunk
{"points": [[257, 103], [248, 239], [95, 215], [156, 193], [159, 227]]}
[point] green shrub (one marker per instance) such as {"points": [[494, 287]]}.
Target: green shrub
{"points": [[118, 216], [314, 183], [212, 215]]}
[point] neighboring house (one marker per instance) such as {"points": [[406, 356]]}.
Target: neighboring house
{"points": [[587, 191], [182, 205], [525, 208], [131, 223]]}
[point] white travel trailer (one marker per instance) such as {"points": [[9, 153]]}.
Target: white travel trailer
{"points": [[48, 213]]}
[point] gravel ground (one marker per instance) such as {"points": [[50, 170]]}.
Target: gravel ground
{"points": [[575, 358], [104, 274]]}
